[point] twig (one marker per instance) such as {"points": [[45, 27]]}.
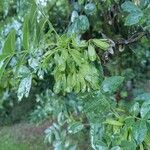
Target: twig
{"points": [[132, 39]]}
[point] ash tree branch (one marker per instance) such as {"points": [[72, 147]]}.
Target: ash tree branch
{"points": [[135, 37]]}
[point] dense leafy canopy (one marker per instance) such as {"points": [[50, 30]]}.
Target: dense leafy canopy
{"points": [[84, 64]]}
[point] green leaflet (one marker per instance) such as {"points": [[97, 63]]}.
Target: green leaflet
{"points": [[135, 109], [130, 7], [26, 31], [139, 131], [79, 25], [101, 43], [64, 83], [64, 54], [9, 45], [79, 44], [111, 84], [147, 138], [85, 69], [90, 8], [24, 87], [3, 57], [83, 23], [91, 52], [74, 79], [143, 97], [90, 74], [75, 127], [145, 110], [82, 82], [60, 62], [133, 18], [69, 83], [96, 133], [135, 14], [47, 56], [23, 71], [57, 86], [77, 87], [128, 145], [40, 29], [96, 101], [71, 66], [74, 15], [77, 56], [113, 122], [7, 51]]}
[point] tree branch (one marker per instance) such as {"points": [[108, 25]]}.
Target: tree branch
{"points": [[135, 37]]}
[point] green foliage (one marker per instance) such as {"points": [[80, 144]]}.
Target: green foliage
{"points": [[135, 109], [139, 131], [91, 53], [80, 25], [111, 84], [102, 44], [145, 110], [90, 8], [9, 46], [135, 13], [24, 87], [143, 97], [85, 67], [105, 121], [26, 37], [75, 127], [72, 69]]}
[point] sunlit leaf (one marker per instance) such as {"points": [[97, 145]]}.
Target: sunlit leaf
{"points": [[77, 56], [113, 122], [74, 16], [82, 82], [60, 62], [101, 43], [69, 83], [3, 57], [91, 53], [9, 45], [24, 87], [57, 87], [77, 87]]}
